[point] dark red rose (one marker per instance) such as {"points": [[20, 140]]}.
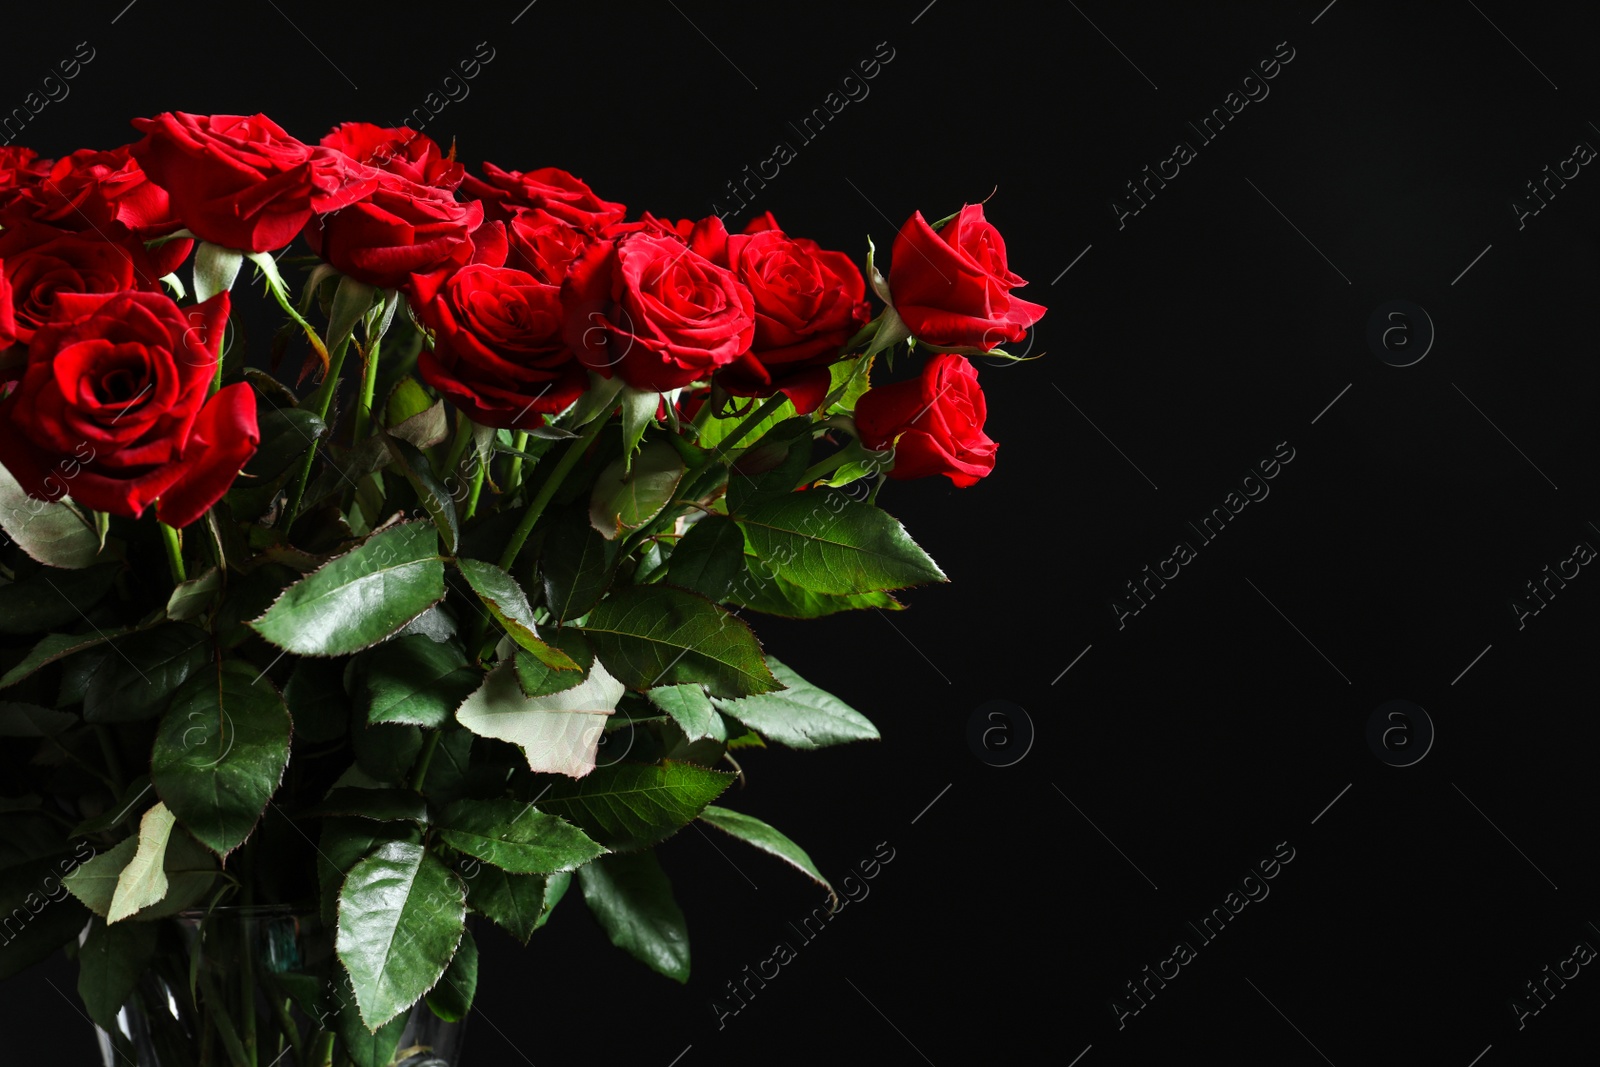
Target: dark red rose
{"points": [[565, 197], [808, 303], [42, 263], [952, 287], [542, 244], [20, 169], [105, 195], [401, 229], [400, 150], [112, 408], [240, 181], [934, 422], [498, 352], [649, 308], [763, 221], [8, 322]]}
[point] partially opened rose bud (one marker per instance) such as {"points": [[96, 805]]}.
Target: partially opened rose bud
{"points": [[934, 422], [952, 286]]}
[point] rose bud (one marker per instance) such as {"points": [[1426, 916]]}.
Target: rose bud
{"points": [[112, 408], [934, 422], [952, 287]]}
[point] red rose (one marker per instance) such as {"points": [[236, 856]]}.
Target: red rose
{"points": [[402, 151], [542, 244], [952, 287], [105, 195], [42, 262], [20, 169], [565, 197], [8, 322], [808, 303], [112, 408], [660, 314], [498, 352], [240, 181], [401, 229], [934, 422]]}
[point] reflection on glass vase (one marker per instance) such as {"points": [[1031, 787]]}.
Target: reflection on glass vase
{"points": [[261, 987]]}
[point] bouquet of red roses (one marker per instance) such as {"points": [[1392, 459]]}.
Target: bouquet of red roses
{"points": [[457, 613]]}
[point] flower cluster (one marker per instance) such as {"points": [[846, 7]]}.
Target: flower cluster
{"points": [[524, 281]]}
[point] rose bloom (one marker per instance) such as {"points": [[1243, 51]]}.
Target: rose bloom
{"points": [[105, 195], [934, 422], [42, 262], [402, 229], [401, 151], [240, 181], [651, 309], [8, 322], [498, 352], [808, 303], [542, 244], [559, 193], [952, 287], [20, 169], [112, 408]]}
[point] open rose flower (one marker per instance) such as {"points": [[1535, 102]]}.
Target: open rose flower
{"points": [[953, 288], [498, 352], [20, 170], [808, 303], [240, 181], [8, 322], [112, 408], [542, 244], [105, 195], [934, 422], [42, 262], [654, 311], [401, 150], [565, 197], [401, 229]]}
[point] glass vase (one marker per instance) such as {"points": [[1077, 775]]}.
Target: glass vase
{"points": [[260, 987]]}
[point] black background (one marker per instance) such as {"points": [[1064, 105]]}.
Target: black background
{"points": [[1223, 718]]}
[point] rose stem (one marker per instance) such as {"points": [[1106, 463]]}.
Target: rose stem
{"points": [[548, 490], [514, 475], [457, 447], [478, 471], [429, 746], [319, 402], [369, 386], [173, 541]]}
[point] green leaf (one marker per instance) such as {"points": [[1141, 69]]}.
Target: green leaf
{"points": [[51, 598], [406, 399], [195, 597], [364, 1047], [286, 433], [716, 430], [150, 665], [54, 532], [431, 493], [689, 707], [451, 999], [537, 679], [826, 542], [31, 898], [599, 399], [220, 753], [628, 806], [557, 733], [53, 647], [517, 903], [508, 604], [658, 635], [639, 407], [317, 701], [512, 836], [190, 871], [343, 843], [625, 499], [709, 557], [575, 565], [215, 269], [94, 882], [415, 679], [631, 898], [386, 751], [380, 805], [401, 916], [800, 716], [850, 380], [357, 599], [351, 302], [30, 720], [753, 831], [773, 467], [110, 964], [772, 595], [143, 881]]}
